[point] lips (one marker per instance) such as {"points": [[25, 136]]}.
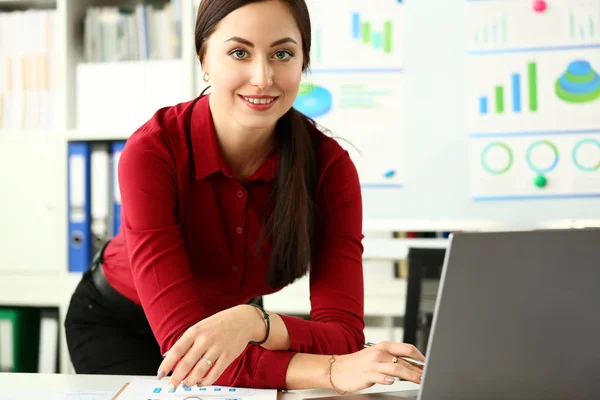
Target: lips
{"points": [[260, 99], [259, 103]]}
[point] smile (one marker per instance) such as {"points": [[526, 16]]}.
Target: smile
{"points": [[257, 100], [262, 103]]}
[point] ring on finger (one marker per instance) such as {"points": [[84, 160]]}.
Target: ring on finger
{"points": [[210, 363], [394, 360]]}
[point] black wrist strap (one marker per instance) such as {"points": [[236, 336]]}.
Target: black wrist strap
{"points": [[267, 320]]}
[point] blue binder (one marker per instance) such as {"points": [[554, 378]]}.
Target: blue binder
{"points": [[116, 149], [79, 217]]}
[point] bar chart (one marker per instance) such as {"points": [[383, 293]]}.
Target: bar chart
{"points": [[513, 25], [520, 92], [516, 94], [364, 32], [584, 20], [354, 36], [494, 31]]}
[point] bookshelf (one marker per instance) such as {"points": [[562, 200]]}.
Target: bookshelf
{"points": [[60, 96]]}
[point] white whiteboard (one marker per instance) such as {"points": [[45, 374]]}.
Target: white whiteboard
{"points": [[435, 138]]}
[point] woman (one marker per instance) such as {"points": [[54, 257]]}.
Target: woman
{"points": [[225, 198]]}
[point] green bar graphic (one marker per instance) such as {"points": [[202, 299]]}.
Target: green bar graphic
{"points": [[499, 99], [387, 37], [366, 32], [532, 77], [572, 23], [485, 35]]}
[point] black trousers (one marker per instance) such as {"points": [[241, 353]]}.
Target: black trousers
{"points": [[103, 339]]}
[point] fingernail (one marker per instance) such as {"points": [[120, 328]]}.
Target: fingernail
{"points": [[184, 385], [160, 374], [389, 380], [171, 388]]}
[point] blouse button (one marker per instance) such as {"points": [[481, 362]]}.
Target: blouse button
{"points": [[239, 230], [240, 194]]}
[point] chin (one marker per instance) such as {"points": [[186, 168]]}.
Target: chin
{"points": [[258, 123]]}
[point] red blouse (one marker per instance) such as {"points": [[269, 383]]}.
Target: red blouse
{"points": [[186, 249]]}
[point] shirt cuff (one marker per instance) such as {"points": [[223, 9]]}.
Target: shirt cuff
{"points": [[271, 369], [299, 333]]}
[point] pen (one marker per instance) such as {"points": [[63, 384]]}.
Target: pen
{"points": [[418, 363]]}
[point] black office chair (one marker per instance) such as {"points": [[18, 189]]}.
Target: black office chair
{"points": [[423, 264]]}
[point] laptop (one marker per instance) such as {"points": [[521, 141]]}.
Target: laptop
{"points": [[517, 317]]}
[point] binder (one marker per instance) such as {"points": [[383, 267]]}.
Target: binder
{"points": [[19, 339], [48, 346], [78, 181], [100, 196], [117, 149]]}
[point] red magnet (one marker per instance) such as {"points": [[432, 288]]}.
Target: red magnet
{"points": [[539, 5]]}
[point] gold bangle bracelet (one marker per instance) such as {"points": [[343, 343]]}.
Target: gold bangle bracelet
{"points": [[331, 361]]}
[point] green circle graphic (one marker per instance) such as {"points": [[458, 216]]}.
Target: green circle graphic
{"points": [[490, 146], [574, 155], [541, 143]]}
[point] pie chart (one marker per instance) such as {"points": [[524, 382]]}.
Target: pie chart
{"points": [[313, 101], [579, 83]]}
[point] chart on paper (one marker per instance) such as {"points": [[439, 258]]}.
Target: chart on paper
{"points": [[533, 99], [363, 111], [151, 389], [354, 86]]}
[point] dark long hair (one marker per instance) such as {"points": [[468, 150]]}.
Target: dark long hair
{"points": [[290, 227]]}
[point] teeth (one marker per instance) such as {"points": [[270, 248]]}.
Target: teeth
{"points": [[258, 101]]}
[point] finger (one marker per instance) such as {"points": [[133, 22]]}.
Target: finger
{"points": [[383, 379], [201, 368], [186, 364], [216, 371], [403, 349], [179, 349], [402, 370]]}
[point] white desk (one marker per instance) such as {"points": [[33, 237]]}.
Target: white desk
{"points": [[64, 383]]}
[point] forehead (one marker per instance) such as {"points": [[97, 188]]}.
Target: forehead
{"points": [[259, 22]]}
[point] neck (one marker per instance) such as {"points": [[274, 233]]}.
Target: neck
{"points": [[243, 149]]}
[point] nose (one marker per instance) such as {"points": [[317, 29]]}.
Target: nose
{"points": [[262, 74]]}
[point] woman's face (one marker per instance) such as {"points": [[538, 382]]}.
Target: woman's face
{"points": [[254, 61]]}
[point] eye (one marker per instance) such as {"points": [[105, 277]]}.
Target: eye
{"points": [[239, 54], [283, 55]]}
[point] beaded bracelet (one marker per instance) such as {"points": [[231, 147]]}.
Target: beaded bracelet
{"points": [[267, 320], [331, 361]]}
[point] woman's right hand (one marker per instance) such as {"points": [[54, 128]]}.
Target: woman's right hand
{"points": [[375, 364]]}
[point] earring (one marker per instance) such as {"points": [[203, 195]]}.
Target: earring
{"points": [[206, 77]]}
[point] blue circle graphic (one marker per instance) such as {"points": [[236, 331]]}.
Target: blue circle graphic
{"points": [[313, 101], [542, 143], [584, 168]]}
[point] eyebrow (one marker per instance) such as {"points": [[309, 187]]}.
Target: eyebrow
{"points": [[250, 44]]}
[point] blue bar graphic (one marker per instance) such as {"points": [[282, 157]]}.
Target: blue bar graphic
{"points": [[355, 25], [318, 44], [516, 92], [377, 40], [483, 105]]}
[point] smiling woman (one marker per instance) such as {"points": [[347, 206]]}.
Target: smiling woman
{"points": [[226, 198]]}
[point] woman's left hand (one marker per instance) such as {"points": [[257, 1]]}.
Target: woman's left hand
{"points": [[207, 348]]}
